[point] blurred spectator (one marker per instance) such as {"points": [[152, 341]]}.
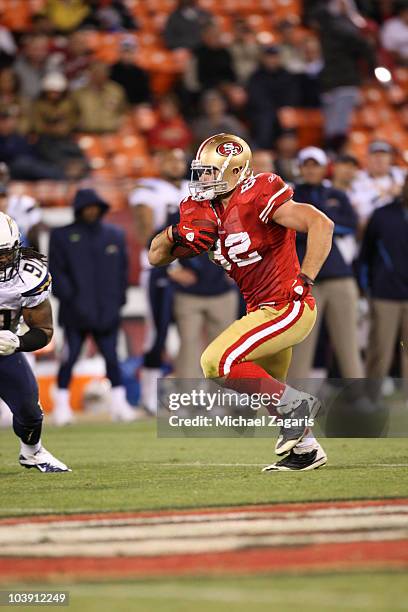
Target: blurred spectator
{"points": [[155, 205], [394, 35], [310, 75], [290, 45], [8, 48], [88, 262], [40, 24], [185, 24], [133, 79], [286, 155], [384, 274], [301, 56], [170, 130], [11, 98], [20, 155], [66, 15], [22, 208], [31, 64], [335, 289], [54, 118], [245, 51], [343, 48], [102, 103], [72, 56], [109, 16], [214, 118], [215, 66], [262, 161], [345, 168], [344, 172], [202, 310], [380, 183], [269, 88], [54, 113]]}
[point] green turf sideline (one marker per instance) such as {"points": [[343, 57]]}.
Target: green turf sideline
{"points": [[119, 467]]}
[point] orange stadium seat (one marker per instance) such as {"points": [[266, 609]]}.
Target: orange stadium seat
{"points": [[16, 14], [308, 122]]}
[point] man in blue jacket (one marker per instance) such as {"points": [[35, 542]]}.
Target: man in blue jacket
{"points": [[384, 275], [88, 261], [335, 290]]}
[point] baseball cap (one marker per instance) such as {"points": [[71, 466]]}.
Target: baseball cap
{"points": [[380, 146], [318, 155], [54, 81]]}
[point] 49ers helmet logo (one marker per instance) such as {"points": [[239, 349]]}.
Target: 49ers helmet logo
{"points": [[226, 148]]}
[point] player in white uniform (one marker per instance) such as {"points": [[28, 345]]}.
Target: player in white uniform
{"points": [[24, 291], [21, 207], [155, 203]]}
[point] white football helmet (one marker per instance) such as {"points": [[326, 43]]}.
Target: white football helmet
{"points": [[10, 248], [222, 162]]}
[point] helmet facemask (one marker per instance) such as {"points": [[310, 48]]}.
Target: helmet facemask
{"points": [[9, 262], [207, 181]]}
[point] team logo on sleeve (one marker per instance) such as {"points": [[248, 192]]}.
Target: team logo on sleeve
{"points": [[229, 148]]}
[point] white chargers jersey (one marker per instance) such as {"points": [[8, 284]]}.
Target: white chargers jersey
{"points": [[368, 193], [163, 198], [27, 289], [24, 210]]}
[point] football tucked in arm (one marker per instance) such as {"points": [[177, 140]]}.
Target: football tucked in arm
{"points": [[206, 225]]}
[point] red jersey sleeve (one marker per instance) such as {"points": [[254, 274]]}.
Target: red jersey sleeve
{"points": [[273, 192]]}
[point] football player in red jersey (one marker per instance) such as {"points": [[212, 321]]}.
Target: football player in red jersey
{"points": [[254, 240]]}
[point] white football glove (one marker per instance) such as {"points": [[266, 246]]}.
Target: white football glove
{"points": [[9, 343]]}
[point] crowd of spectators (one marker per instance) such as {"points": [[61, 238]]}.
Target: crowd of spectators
{"points": [[235, 81], [53, 89]]}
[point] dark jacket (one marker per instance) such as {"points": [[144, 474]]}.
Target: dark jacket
{"points": [[383, 262], [184, 26], [336, 205], [89, 267], [271, 89], [343, 48], [134, 80], [214, 66], [211, 278]]}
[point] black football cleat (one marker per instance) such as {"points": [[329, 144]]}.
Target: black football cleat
{"points": [[299, 461]]}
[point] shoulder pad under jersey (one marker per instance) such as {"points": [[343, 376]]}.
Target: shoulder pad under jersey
{"points": [[34, 276]]}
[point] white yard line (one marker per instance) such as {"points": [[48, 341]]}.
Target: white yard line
{"points": [[203, 464]]}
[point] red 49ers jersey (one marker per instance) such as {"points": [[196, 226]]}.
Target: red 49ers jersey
{"points": [[257, 253]]}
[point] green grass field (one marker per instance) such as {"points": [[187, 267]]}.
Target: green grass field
{"points": [[360, 592], [126, 467]]}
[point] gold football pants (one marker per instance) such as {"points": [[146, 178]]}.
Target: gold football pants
{"points": [[265, 336]]}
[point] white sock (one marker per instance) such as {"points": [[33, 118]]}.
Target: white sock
{"points": [[118, 394], [30, 449], [61, 398], [307, 441]]}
